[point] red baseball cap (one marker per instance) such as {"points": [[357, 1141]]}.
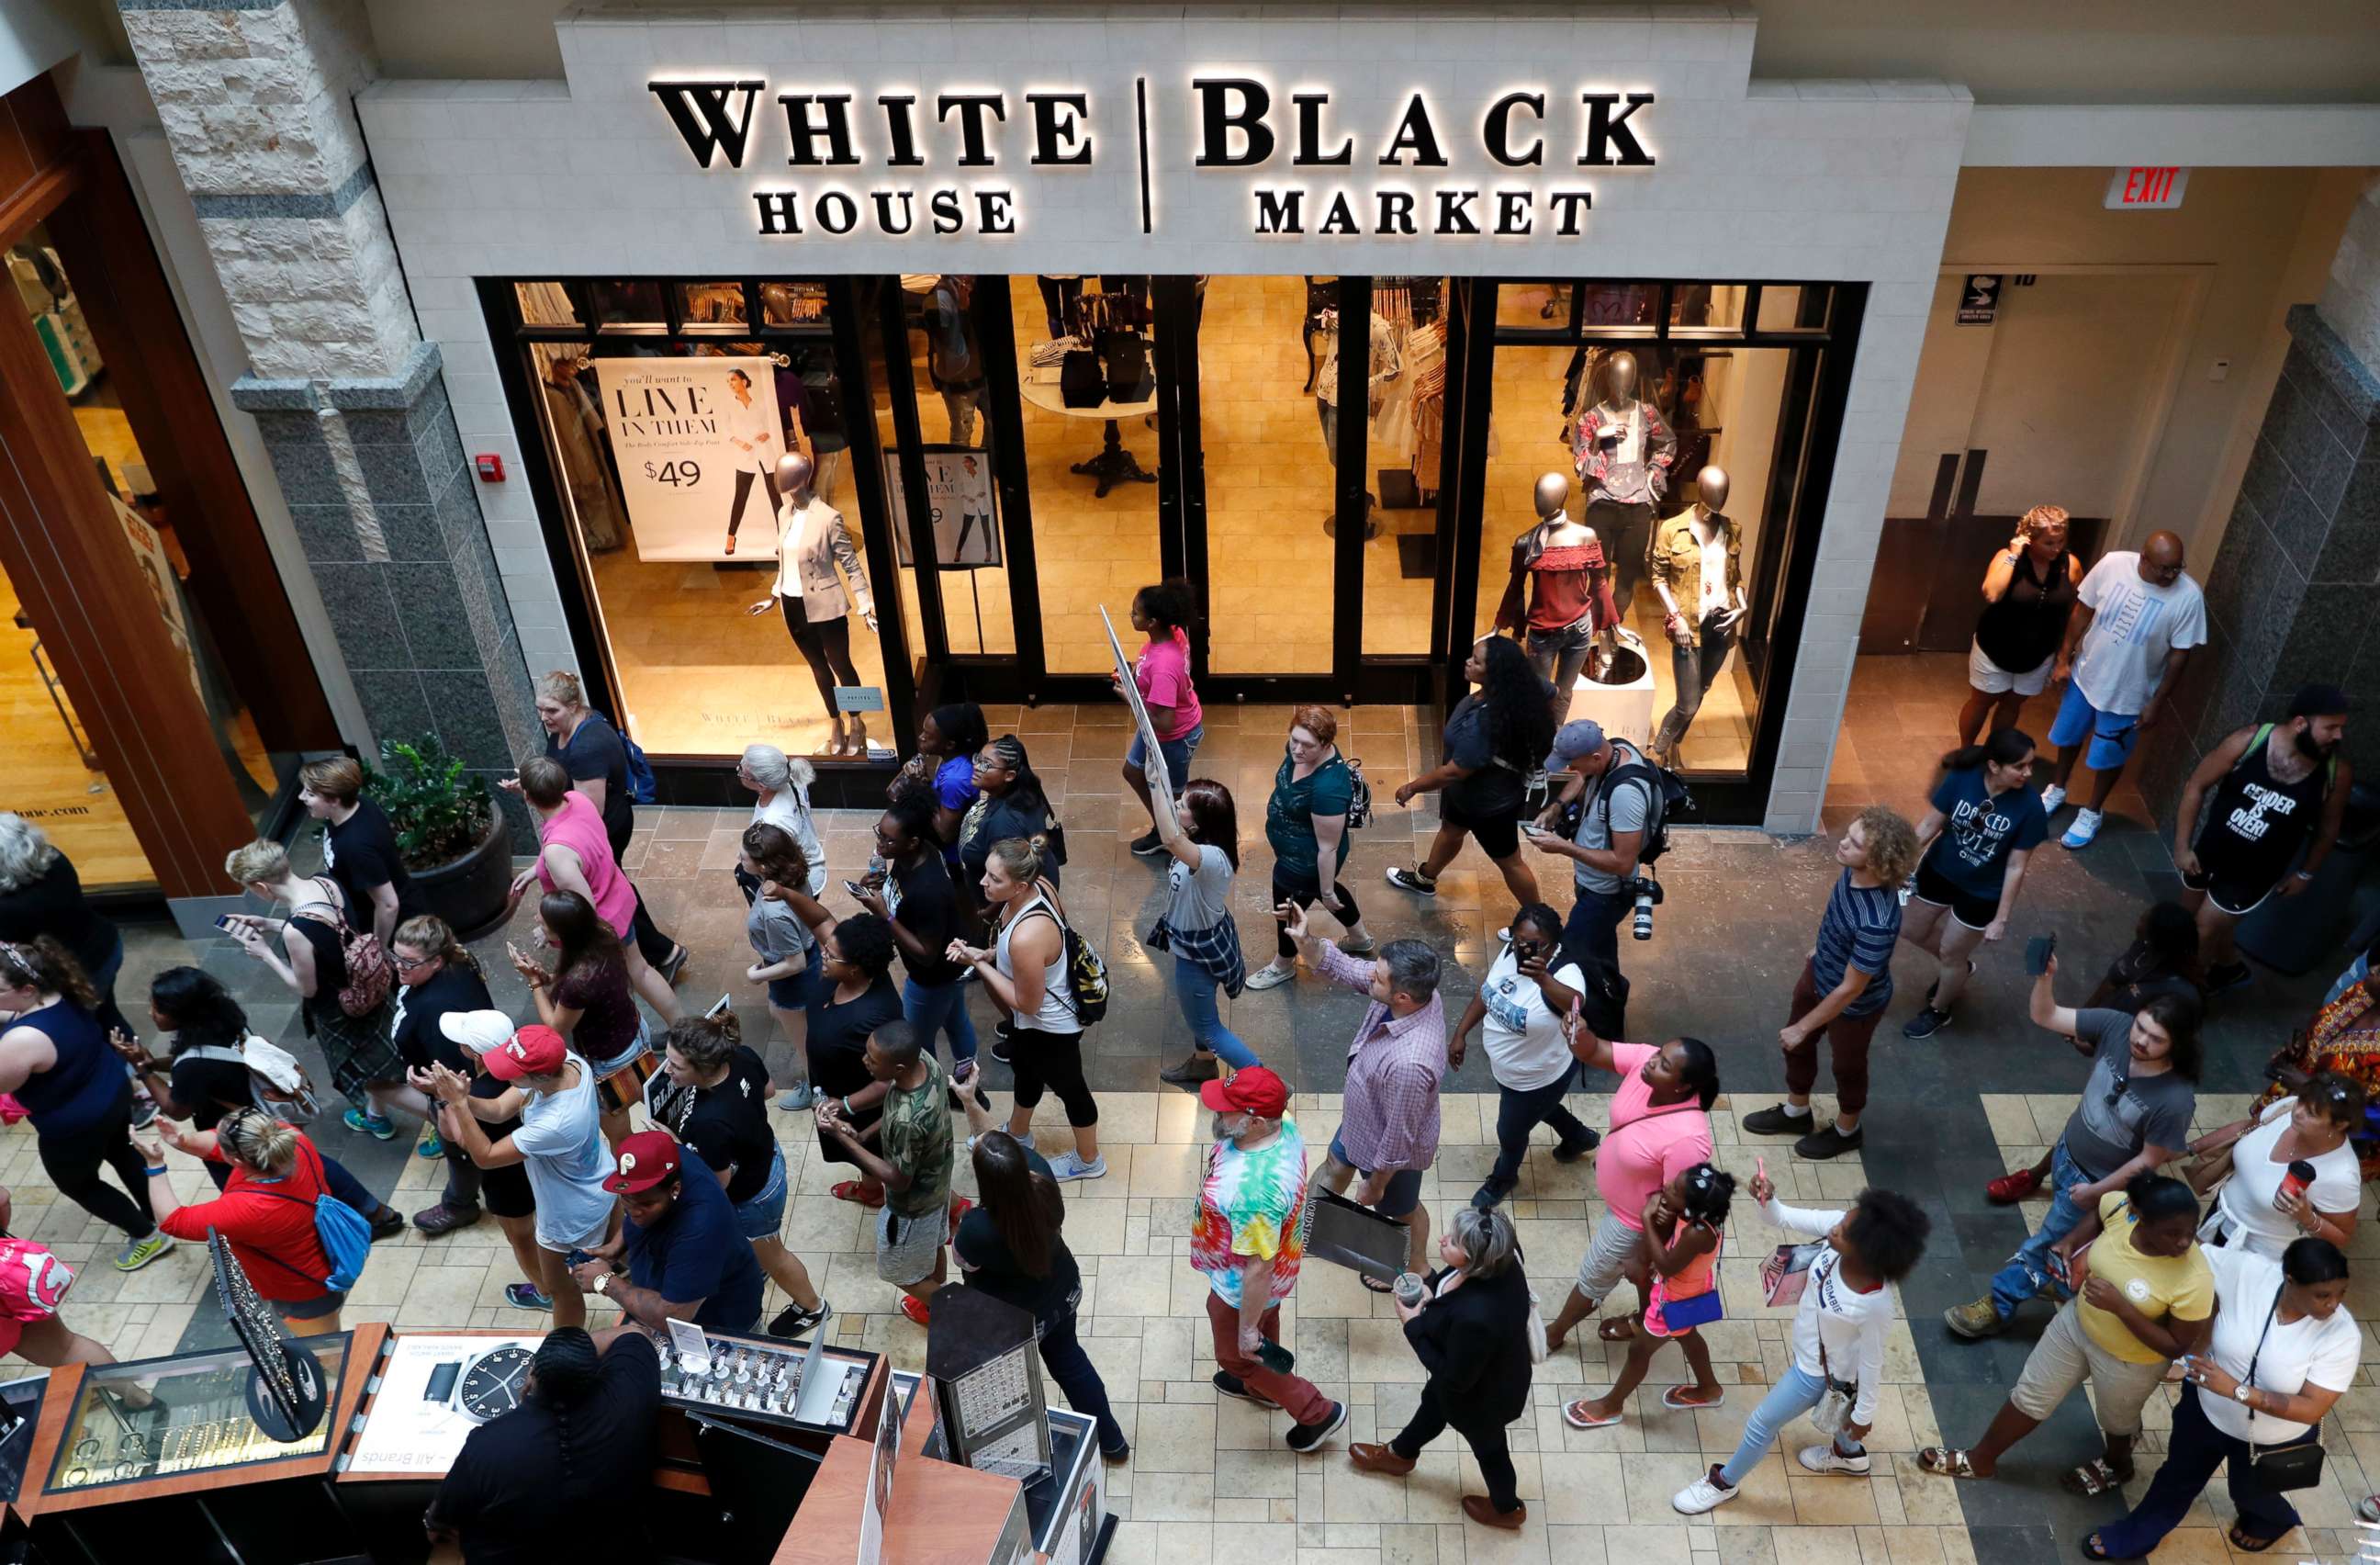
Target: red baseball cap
{"points": [[535, 1050], [1253, 1091], [645, 1160]]}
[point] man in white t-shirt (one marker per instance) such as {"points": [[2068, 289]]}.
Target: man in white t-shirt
{"points": [[2139, 618]]}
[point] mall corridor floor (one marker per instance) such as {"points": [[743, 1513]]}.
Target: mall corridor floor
{"points": [[1210, 1481]]}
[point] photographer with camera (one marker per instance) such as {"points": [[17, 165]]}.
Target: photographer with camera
{"points": [[1619, 807]]}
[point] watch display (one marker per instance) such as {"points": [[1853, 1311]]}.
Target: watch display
{"points": [[485, 1385]]}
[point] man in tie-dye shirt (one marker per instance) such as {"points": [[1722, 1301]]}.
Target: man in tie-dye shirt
{"points": [[1245, 1239]]}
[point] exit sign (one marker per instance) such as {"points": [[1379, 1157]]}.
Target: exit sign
{"points": [[2147, 190]]}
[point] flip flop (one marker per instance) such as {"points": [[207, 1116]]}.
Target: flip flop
{"points": [[1945, 1462], [853, 1191], [2091, 1479], [1375, 1284], [2244, 1546], [1619, 1328], [2094, 1550], [1669, 1399], [1570, 1416]]}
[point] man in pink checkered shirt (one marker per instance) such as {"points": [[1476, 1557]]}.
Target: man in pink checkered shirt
{"points": [[1388, 1129]]}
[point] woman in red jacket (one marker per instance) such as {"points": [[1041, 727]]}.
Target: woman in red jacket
{"points": [[266, 1209]]}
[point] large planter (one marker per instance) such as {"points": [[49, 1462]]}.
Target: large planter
{"points": [[468, 892]]}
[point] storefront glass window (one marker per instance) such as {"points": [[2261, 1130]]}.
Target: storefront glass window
{"points": [[626, 303], [1090, 454], [678, 565], [1706, 305], [1786, 307], [951, 387], [545, 304], [1407, 446], [702, 305]]}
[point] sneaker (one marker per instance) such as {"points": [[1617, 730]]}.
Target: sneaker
{"points": [[915, 1310], [140, 1252], [2053, 798], [1364, 948], [2011, 1188], [2085, 829], [1306, 1437], [1272, 975], [1974, 1321], [1122, 1452], [1926, 1023], [2368, 1508], [1826, 1459], [800, 1099], [1778, 1121], [1706, 1493], [793, 1320], [429, 1146], [144, 1111], [1229, 1385], [1002, 1036], [526, 1296], [1068, 1166], [1572, 1151], [443, 1218], [387, 1223], [2230, 976], [1489, 1196], [1413, 880], [377, 1126], [1148, 845], [674, 964], [1828, 1141], [1192, 1070]]}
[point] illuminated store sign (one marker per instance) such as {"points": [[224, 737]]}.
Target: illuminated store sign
{"points": [[1309, 171]]}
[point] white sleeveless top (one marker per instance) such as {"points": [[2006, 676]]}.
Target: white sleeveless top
{"points": [[1056, 1015]]}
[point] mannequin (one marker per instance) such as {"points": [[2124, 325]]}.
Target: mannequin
{"points": [[1624, 448], [1386, 366], [1697, 567], [758, 444], [812, 543], [953, 362], [1569, 592]]}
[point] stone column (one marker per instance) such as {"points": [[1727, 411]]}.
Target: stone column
{"points": [[257, 100], [2289, 594]]}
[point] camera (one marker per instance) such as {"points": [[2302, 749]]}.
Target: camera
{"points": [[1647, 892]]}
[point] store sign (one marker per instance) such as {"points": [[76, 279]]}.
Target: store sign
{"points": [[697, 443], [1979, 302], [2146, 189], [1424, 171]]}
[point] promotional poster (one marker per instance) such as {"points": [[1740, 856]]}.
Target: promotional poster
{"points": [[696, 442], [958, 488]]}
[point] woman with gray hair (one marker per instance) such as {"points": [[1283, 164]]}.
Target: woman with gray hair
{"points": [[40, 894], [782, 785], [1474, 1332]]}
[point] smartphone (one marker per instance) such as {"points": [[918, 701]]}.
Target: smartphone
{"points": [[2038, 952], [1530, 828], [718, 1009], [577, 1258], [2058, 1269], [856, 890], [223, 921]]}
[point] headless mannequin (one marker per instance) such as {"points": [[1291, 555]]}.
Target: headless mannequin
{"points": [[1699, 641], [1328, 393], [825, 643], [1558, 652], [1622, 430]]}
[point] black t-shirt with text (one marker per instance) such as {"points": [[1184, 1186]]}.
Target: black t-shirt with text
{"points": [[595, 753], [360, 854], [416, 1009], [927, 905], [512, 1493], [727, 1124]]}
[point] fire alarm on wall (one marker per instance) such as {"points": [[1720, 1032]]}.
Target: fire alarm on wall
{"points": [[491, 465]]}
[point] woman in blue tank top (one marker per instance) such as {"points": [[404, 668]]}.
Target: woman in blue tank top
{"points": [[55, 1057]]}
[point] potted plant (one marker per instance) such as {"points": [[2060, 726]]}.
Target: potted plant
{"points": [[448, 828]]}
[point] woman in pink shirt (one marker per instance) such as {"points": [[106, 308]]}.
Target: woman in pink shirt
{"points": [[1661, 1128], [576, 855], [1162, 672]]}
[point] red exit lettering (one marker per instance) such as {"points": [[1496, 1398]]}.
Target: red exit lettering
{"points": [[2159, 188]]}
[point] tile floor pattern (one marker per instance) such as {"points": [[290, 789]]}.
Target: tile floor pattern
{"points": [[1210, 1481]]}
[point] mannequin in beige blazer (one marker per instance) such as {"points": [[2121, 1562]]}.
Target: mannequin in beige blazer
{"points": [[811, 543]]}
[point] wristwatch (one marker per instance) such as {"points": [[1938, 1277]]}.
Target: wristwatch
{"points": [[2240, 1395], [604, 1284], [484, 1385]]}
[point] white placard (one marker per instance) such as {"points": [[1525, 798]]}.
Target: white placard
{"points": [[877, 1503], [405, 1434], [693, 1348], [1161, 785], [693, 439]]}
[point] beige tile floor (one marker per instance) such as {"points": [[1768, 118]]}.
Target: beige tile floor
{"points": [[1209, 1479]]}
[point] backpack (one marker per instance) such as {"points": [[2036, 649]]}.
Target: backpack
{"points": [[1087, 972], [368, 974], [276, 1082], [345, 1236], [1359, 796], [1666, 794], [2263, 736], [643, 787]]}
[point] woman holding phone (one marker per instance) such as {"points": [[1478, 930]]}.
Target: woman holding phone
{"points": [[588, 1000]]}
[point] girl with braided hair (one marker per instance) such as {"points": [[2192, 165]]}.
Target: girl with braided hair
{"points": [[1683, 1223]]}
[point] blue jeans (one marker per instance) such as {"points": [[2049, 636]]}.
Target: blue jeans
{"points": [[1593, 926], [939, 1008], [1177, 753], [1793, 1395], [1519, 1112], [2192, 1453], [1193, 988], [1062, 1356], [2027, 1272]]}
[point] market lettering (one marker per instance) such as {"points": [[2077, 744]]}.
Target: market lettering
{"points": [[1284, 210]]}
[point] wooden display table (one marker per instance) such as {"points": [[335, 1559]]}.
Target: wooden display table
{"points": [[942, 1514]]}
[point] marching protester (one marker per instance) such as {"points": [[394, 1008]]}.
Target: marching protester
{"points": [[359, 848], [265, 1212], [1202, 837], [928, 919], [2265, 1205], [787, 956], [675, 1257], [502, 1189], [1679, 1255], [575, 855], [911, 1161], [40, 894], [1472, 1333], [594, 756], [1979, 832], [586, 997], [1496, 739], [781, 789], [1844, 987], [1027, 976], [1306, 823], [2143, 1294], [1162, 670], [1847, 1305], [1524, 1002], [1388, 1127], [1010, 802]]}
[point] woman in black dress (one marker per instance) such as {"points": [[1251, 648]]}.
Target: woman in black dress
{"points": [[2028, 592]]}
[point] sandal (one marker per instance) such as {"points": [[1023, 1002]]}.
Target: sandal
{"points": [[2247, 1545], [1619, 1328], [2094, 1550], [2092, 1479], [1671, 1399], [1375, 1284], [1945, 1462], [851, 1190], [1572, 1416]]}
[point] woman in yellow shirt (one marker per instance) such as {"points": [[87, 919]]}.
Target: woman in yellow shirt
{"points": [[2143, 1296]]}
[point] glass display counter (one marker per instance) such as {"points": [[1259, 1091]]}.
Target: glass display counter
{"points": [[158, 1418]]}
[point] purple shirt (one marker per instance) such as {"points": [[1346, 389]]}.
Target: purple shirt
{"points": [[1390, 1115]]}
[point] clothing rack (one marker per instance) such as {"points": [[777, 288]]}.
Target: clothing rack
{"points": [[1406, 302]]}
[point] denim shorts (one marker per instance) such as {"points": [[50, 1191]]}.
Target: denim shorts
{"points": [[793, 993], [761, 1214], [1178, 754], [1404, 1186]]}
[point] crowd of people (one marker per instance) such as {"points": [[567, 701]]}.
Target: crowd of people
{"points": [[633, 1155]]}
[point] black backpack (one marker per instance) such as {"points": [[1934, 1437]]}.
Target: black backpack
{"points": [[1666, 794]]}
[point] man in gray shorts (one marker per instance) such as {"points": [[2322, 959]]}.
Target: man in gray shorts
{"points": [[914, 1165]]}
